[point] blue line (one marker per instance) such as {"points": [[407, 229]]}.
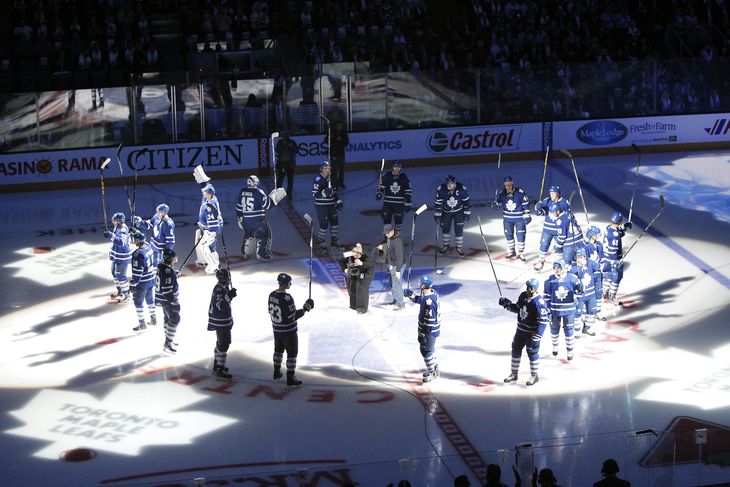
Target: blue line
{"points": [[703, 266]]}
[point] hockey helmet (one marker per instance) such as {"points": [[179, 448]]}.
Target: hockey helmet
{"points": [[284, 279], [560, 263], [209, 189], [554, 189], [163, 208], [118, 217], [450, 179], [532, 283], [252, 181], [617, 217], [138, 237], [323, 165], [397, 163], [580, 252], [593, 230], [425, 281], [169, 255], [507, 179], [223, 276]]}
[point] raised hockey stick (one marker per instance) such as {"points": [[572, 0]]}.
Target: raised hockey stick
{"points": [[661, 208], [225, 252], [544, 172], [489, 256], [636, 178], [499, 164], [380, 175], [133, 208], [577, 182], [274, 135], [420, 210], [124, 179], [103, 194], [311, 251]]}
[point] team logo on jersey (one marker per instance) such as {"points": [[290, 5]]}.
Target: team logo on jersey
{"points": [[511, 205], [395, 187], [586, 280], [523, 313], [561, 293], [452, 202]]}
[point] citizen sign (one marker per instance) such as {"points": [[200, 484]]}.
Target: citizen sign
{"points": [[474, 140], [601, 132]]}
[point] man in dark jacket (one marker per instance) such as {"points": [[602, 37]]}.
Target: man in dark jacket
{"points": [[391, 253]]}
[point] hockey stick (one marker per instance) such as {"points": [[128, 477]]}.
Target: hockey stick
{"points": [[661, 208], [311, 251], [489, 256], [577, 182], [380, 175], [420, 210], [436, 252], [133, 208], [191, 252], [274, 135], [103, 194], [636, 178], [544, 173], [225, 252], [124, 179], [499, 163]]}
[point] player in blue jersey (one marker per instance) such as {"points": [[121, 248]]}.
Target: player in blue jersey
{"points": [[394, 189], [429, 324], [560, 292], [569, 239], [251, 210], [554, 207], [220, 320], [210, 222], [167, 297], [143, 280], [163, 231], [613, 254], [532, 319], [121, 255], [515, 206], [588, 272], [452, 204], [594, 251], [284, 315], [327, 203]]}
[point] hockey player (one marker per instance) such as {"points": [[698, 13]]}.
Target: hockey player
{"points": [[588, 272], [220, 320], [451, 204], [532, 319], [143, 280], [359, 270], [251, 213], [515, 206], [613, 253], [209, 227], [163, 231], [327, 203], [554, 207], [284, 315], [570, 238], [391, 253], [121, 255], [429, 325], [396, 187], [167, 297], [560, 292], [594, 250]]}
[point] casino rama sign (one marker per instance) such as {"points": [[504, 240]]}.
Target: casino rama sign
{"points": [[601, 132], [474, 140]]}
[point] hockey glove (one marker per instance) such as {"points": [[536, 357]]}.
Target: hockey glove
{"points": [[526, 219], [232, 293], [407, 293], [617, 266], [308, 304], [495, 205], [107, 234], [504, 302], [467, 216], [327, 192], [339, 205], [378, 196], [136, 220], [627, 226]]}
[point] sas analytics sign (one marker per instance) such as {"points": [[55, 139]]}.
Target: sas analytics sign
{"points": [[474, 140]]}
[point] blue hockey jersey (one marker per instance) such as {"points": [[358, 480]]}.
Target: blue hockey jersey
{"points": [[143, 267], [515, 205], [252, 204], [560, 293], [451, 201]]}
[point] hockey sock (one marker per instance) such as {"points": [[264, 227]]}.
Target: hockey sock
{"points": [[515, 365], [220, 358], [291, 363], [278, 357], [459, 241], [511, 246]]}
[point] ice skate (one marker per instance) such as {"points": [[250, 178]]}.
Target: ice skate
{"points": [[511, 255], [539, 265], [222, 372], [555, 351], [124, 298], [510, 378], [588, 332], [277, 373], [140, 327], [168, 347], [570, 355], [291, 380], [460, 252], [532, 380]]}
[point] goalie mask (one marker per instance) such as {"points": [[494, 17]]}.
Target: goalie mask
{"points": [[252, 181]]}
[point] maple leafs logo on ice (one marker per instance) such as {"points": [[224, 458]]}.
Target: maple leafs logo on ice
{"points": [[64, 265], [124, 422]]}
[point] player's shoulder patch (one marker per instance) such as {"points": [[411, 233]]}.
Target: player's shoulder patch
{"points": [[520, 190]]}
